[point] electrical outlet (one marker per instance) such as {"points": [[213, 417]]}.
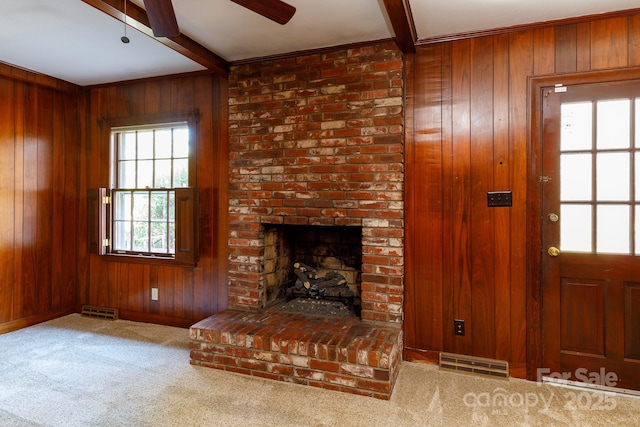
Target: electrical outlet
{"points": [[154, 294], [498, 198], [458, 327]]}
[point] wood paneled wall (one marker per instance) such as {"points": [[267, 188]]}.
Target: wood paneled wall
{"points": [[466, 135], [186, 294], [38, 177]]}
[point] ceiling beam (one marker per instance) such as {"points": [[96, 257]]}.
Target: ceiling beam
{"points": [[137, 18], [399, 14]]}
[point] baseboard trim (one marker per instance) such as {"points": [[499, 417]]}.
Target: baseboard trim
{"points": [[25, 322]]}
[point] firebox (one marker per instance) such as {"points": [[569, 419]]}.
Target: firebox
{"points": [[321, 263]]}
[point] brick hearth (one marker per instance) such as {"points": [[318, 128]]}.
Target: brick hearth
{"points": [[314, 140], [336, 353]]}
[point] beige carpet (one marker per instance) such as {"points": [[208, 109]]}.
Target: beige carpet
{"points": [[77, 371]]}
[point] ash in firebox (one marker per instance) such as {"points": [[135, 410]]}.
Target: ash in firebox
{"points": [[316, 307]]}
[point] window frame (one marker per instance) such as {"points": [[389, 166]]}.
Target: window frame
{"points": [[100, 218]]}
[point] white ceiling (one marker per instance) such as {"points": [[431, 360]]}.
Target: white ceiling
{"points": [[73, 41]]}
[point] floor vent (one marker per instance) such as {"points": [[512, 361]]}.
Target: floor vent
{"points": [[100, 312], [474, 365]]}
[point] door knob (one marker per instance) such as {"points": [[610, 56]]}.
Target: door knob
{"points": [[553, 251], [553, 217]]}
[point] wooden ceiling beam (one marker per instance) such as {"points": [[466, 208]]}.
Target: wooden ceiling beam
{"points": [[137, 18], [399, 14]]}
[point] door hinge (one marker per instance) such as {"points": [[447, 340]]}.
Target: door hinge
{"points": [[558, 88], [544, 179], [106, 200], [106, 243]]}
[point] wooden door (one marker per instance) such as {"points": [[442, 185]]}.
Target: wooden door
{"points": [[591, 233]]}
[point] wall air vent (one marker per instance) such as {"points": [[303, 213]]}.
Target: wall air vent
{"points": [[474, 365], [100, 312]]}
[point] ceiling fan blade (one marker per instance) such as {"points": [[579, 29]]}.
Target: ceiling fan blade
{"points": [[162, 18], [275, 10]]}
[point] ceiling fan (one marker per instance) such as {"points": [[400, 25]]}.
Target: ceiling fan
{"points": [[164, 24]]}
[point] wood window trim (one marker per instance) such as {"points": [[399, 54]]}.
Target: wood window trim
{"points": [[187, 201]]}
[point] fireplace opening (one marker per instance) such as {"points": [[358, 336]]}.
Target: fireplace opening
{"points": [[313, 269]]}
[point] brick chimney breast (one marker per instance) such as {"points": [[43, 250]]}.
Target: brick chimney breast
{"points": [[317, 139]]}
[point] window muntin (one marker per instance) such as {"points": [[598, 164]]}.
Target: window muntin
{"points": [[149, 163]]}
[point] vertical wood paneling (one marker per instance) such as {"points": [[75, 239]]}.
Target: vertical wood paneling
{"points": [[501, 180], [520, 66], [37, 199], [29, 169], [424, 199], [203, 298], [543, 50], [481, 327], [566, 53], [57, 214], [44, 176], [448, 255], [7, 198], [68, 163], [634, 40], [18, 202], [583, 43], [152, 97], [609, 43], [461, 188]]}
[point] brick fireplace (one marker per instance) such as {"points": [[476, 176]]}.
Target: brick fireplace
{"points": [[316, 140]]}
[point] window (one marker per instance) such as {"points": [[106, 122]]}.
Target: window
{"points": [[148, 164], [149, 209]]}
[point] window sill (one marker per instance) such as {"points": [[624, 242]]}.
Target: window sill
{"points": [[146, 259]]}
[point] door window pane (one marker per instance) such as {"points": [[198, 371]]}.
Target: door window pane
{"points": [[575, 228], [575, 177], [613, 234], [613, 124], [613, 176], [576, 130]]}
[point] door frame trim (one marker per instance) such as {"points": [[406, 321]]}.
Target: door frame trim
{"points": [[534, 303]]}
